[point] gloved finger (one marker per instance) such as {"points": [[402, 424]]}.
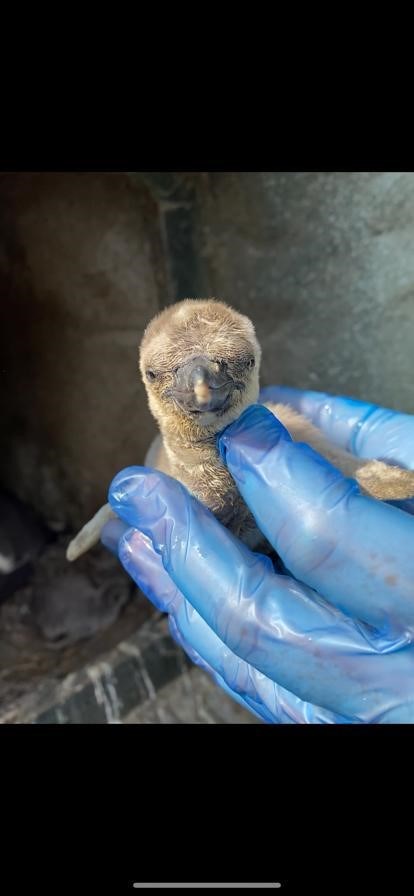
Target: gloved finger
{"points": [[111, 533], [144, 565], [241, 680], [364, 429], [280, 627], [251, 705], [203, 646], [355, 551], [407, 504]]}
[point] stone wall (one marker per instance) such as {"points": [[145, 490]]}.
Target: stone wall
{"points": [[81, 274], [324, 264]]}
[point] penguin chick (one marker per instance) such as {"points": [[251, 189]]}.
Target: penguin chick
{"points": [[199, 360]]}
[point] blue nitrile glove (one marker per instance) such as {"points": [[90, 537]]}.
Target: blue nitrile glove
{"points": [[332, 641], [365, 430]]}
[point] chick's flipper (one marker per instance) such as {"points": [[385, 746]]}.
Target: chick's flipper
{"points": [[90, 534]]}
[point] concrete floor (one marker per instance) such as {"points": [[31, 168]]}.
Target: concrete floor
{"points": [[193, 698]]}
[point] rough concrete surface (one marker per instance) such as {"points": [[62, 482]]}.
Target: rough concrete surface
{"points": [[141, 678], [324, 264], [81, 273], [191, 699]]}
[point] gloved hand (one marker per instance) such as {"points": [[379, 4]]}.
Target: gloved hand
{"points": [[331, 640]]}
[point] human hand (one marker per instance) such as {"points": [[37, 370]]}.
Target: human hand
{"points": [[363, 429], [330, 641]]}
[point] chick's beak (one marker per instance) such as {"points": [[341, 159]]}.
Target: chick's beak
{"points": [[201, 385]]}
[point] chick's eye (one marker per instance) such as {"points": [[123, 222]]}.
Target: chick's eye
{"points": [[251, 363], [150, 375]]}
